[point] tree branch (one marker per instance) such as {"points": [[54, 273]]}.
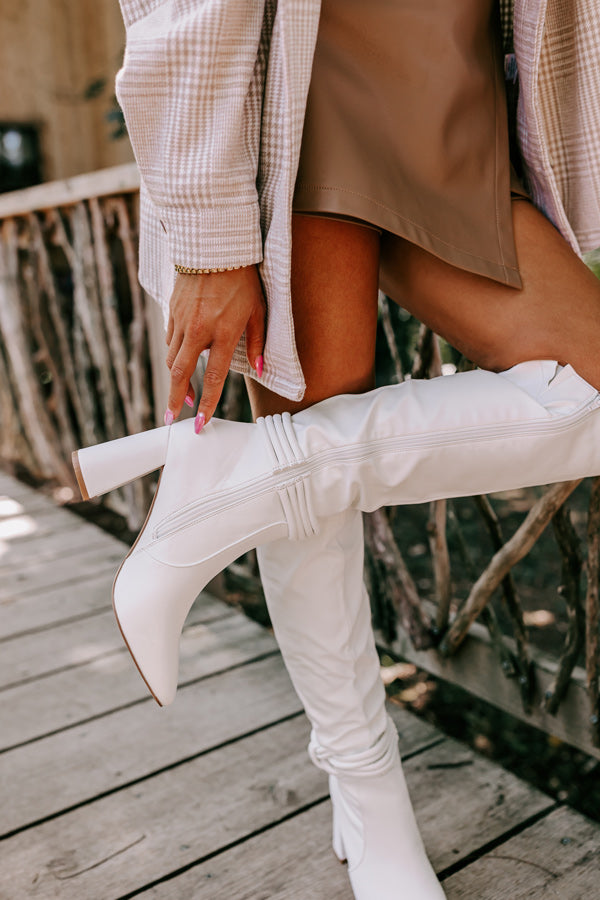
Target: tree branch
{"points": [[502, 562]]}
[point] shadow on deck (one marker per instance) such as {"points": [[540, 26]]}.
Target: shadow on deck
{"points": [[106, 796]]}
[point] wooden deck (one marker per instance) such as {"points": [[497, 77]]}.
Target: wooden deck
{"points": [[106, 796]]}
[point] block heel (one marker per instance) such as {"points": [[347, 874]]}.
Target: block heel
{"points": [[107, 466]]}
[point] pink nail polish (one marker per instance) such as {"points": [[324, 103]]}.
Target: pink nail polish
{"points": [[199, 422], [258, 365], [189, 400], [169, 417]]}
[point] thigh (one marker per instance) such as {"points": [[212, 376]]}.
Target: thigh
{"points": [[556, 314], [335, 270]]}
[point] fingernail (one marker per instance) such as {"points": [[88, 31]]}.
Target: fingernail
{"points": [[258, 365], [169, 417], [189, 400], [199, 422]]}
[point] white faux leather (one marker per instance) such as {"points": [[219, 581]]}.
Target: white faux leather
{"points": [[321, 617], [210, 507], [238, 486], [105, 467], [376, 829], [469, 433]]}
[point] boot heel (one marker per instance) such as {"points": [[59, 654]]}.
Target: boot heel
{"points": [[103, 467]]}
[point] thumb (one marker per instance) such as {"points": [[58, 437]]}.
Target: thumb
{"points": [[255, 339]]}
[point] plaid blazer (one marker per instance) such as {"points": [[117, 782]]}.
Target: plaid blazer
{"points": [[214, 94]]}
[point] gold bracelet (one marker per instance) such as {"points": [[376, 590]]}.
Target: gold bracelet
{"points": [[187, 270]]}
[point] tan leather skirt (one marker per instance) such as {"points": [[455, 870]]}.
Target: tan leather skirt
{"points": [[406, 129]]}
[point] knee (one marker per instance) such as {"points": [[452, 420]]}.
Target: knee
{"points": [[520, 348]]}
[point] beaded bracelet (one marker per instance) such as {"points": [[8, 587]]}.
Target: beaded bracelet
{"points": [[187, 270]]}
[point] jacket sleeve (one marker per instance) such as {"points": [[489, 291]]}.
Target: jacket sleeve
{"points": [[191, 92]]}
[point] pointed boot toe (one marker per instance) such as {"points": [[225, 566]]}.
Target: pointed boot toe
{"points": [[151, 601], [216, 499]]}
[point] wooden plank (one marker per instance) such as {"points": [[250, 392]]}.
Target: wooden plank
{"points": [[39, 576], [19, 504], [29, 612], [48, 519], [16, 497], [16, 528], [15, 488], [183, 813], [123, 841], [112, 180], [111, 681], [292, 861], [47, 776], [463, 801], [49, 540], [18, 532], [476, 669], [84, 641], [61, 604], [555, 858], [10, 505], [228, 795], [64, 646]]}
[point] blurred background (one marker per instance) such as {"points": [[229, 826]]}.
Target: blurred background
{"points": [[82, 360], [58, 113]]}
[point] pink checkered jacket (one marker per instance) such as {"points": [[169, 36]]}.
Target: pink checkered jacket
{"points": [[214, 94]]}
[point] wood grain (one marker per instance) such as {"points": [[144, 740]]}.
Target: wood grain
{"points": [[70, 600], [293, 861], [475, 668], [126, 840], [73, 644], [238, 790], [51, 539], [47, 776], [555, 859], [42, 575], [109, 680]]}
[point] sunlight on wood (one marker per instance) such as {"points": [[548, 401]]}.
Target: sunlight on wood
{"points": [[9, 507], [19, 526]]}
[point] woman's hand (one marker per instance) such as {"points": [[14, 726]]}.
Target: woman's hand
{"points": [[212, 312]]}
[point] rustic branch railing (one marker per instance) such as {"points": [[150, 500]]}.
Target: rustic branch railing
{"points": [[80, 362], [75, 365], [531, 686]]}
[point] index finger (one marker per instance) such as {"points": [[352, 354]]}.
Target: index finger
{"points": [[182, 368], [216, 371]]}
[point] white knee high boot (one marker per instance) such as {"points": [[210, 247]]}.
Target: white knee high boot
{"points": [[374, 824], [321, 617], [322, 620], [238, 486]]}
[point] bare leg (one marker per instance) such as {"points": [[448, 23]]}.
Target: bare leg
{"points": [[335, 270], [555, 316]]}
